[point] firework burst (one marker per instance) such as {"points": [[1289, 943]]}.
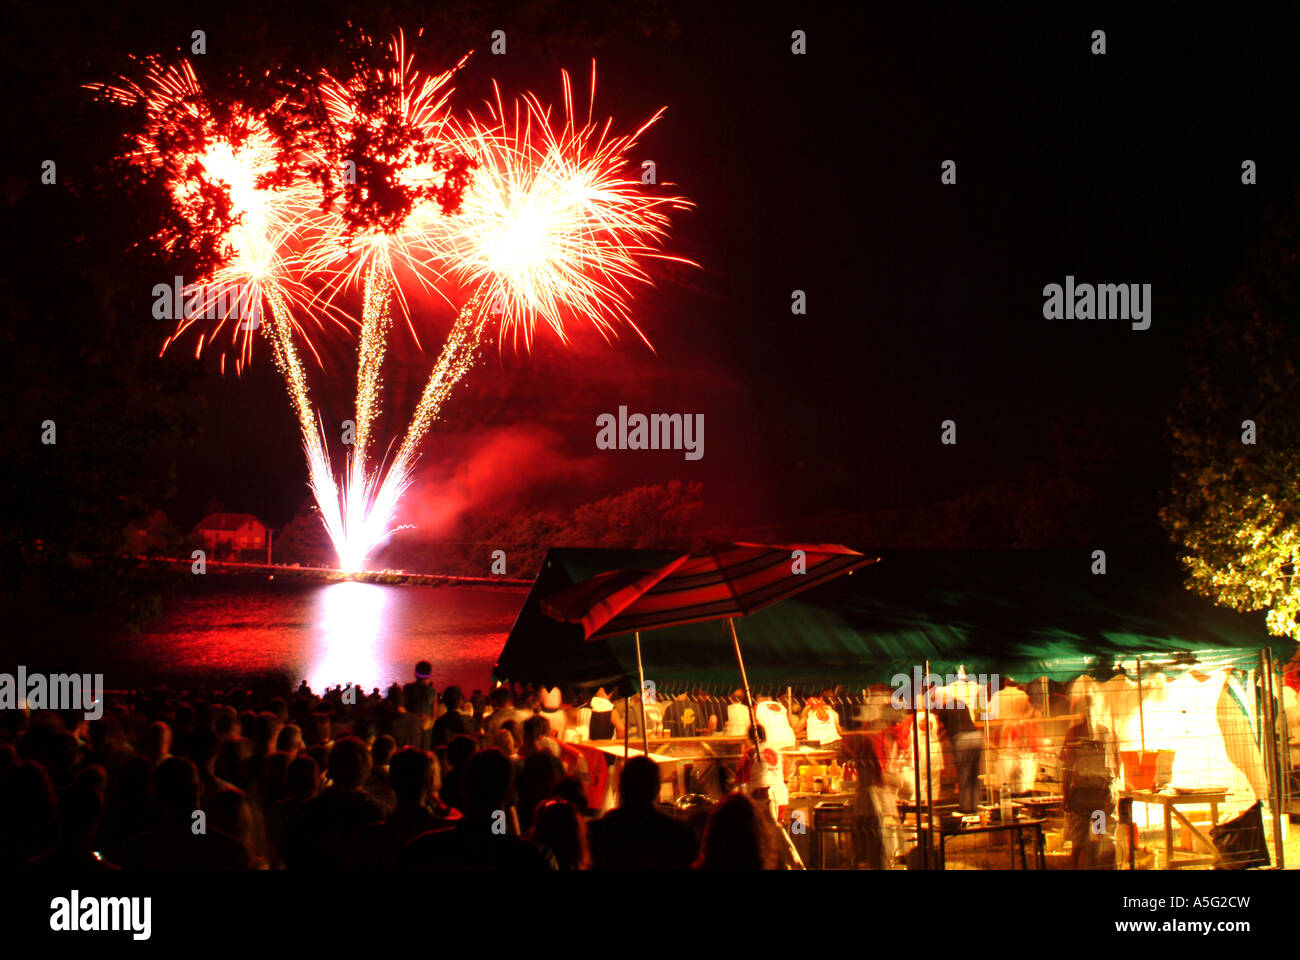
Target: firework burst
{"points": [[530, 220], [549, 229]]}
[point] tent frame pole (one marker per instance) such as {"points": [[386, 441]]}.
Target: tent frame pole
{"points": [[1271, 757], [640, 675], [1142, 723], [929, 786], [922, 840], [988, 756]]}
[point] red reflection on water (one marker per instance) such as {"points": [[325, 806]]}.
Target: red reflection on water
{"points": [[328, 634], [350, 631]]}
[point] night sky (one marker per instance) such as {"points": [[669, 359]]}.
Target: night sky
{"points": [[821, 172]]}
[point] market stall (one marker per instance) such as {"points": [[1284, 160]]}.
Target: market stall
{"points": [[1038, 651]]}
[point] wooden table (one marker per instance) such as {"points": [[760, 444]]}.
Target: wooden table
{"points": [[1018, 827], [1169, 803]]}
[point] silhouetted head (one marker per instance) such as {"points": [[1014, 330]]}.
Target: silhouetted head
{"points": [[203, 745], [381, 751], [738, 837], [459, 750], [349, 763], [453, 697], [265, 730], [176, 784], [157, 743], [289, 738], [639, 785], [414, 775], [488, 783], [321, 731], [558, 827], [303, 777], [534, 729], [571, 789]]}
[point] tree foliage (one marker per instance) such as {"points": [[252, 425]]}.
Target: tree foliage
{"points": [[1234, 505]]}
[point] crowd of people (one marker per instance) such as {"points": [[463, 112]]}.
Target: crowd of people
{"points": [[277, 778]]}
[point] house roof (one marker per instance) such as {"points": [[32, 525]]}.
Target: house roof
{"points": [[227, 521]]}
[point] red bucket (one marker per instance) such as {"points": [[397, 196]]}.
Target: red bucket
{"points": [[1139, 768]]}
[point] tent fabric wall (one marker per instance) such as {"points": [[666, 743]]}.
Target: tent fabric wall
{"points": [[1209, 718]]}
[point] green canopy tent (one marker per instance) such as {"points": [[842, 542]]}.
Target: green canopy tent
{"points": [[1020, 614]]}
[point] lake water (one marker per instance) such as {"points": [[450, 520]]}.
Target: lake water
{"points": [[327, 634]]}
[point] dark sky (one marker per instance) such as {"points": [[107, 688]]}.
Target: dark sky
{"points": [[822, 173]]}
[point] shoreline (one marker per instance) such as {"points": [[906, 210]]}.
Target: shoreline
{"points": [[272, 571]]}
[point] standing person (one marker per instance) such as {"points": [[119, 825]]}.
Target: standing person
{"points": [[739, 836], [459, 750], [636, 836], [323, 829], [503, 711], [418, 698], [738, 719], [967, 751], [417, 810], [1089, 769], [915, 731], [173, 844], [558, 827], [452, 723], [762, 776], [628, 716], [481, 839]]}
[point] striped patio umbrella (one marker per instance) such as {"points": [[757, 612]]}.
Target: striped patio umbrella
{"points": [[719, 581]]}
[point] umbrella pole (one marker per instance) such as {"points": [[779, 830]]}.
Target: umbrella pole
{"points": [[744, 682], [627, 722], [640, 673]]}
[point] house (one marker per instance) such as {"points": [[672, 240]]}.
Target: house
{"points": [[226, 534]]}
